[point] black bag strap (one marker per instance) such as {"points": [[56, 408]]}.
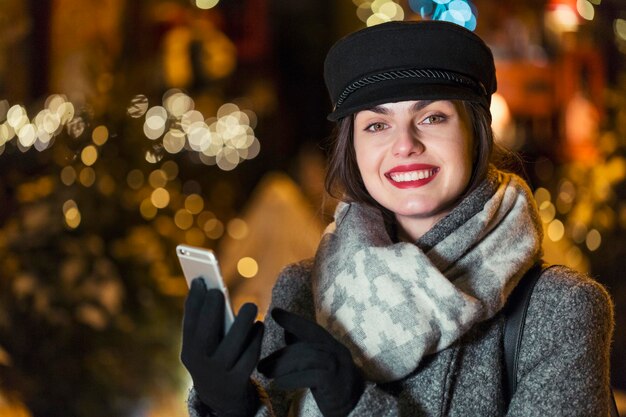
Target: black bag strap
{"points": [[515, 313], [515, 318]]}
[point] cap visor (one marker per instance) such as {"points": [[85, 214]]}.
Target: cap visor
{"points": [[396, 91]]}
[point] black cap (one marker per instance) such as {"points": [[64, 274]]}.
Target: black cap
{"points": [[399, 61]]}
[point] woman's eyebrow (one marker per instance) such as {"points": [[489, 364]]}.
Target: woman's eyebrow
{"points": [[380, 110], [419, 105]]}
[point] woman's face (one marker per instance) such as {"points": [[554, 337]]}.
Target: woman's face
{"points": [[415, 158]]}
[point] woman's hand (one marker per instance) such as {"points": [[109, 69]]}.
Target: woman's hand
{"points": [[220, 366], [314, 359]]}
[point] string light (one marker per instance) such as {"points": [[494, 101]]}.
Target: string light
{"points": [[40, 131], [224, 140]]}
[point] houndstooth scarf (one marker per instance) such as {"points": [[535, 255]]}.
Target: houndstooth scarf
{"points": [[393, 303]]}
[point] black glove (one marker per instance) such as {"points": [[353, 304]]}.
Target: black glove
{"points": [[314, 359], [220, 366]]}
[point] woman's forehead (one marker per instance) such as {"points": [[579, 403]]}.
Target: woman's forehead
{"points": [[412, 105]]}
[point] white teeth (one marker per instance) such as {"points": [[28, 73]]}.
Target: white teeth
{"points": [[412, 176]]}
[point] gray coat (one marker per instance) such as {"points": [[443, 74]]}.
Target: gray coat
{"points": [[563, 369], [563, 361]]}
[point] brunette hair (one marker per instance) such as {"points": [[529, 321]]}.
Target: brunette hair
{"points": [[343, 179]]}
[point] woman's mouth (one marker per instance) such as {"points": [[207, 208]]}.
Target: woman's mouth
{"points": [[412, 176]]}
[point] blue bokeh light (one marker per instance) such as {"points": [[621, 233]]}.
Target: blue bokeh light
{"points": [[460, 12]]}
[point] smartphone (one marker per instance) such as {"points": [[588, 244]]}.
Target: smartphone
{"points": [[199, 262]]}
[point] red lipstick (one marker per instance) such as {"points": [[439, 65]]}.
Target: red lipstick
{"points": [[411, 176]]}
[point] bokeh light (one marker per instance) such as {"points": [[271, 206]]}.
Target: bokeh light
{"points": [[160, 198], [206, 4], [561, 18], [71, 214], [461, 12], [183, 219], [106, 185], [214, 229], [619, 27], [68, 175], [224, 140], [194, 203], [237, 229], [547, 211], [39, 132], [247, 267], [89, 155], [578, 232], [135, 179], [147, 209], [556, 230], [100, 135], [154, 154], [138, 106], [170, 168], [87, 176], [574, 256], [27, 135], [157, 178], [585, 9], [195, 237], [541, 195], [593, 240], [204, 217], [378, 11]]}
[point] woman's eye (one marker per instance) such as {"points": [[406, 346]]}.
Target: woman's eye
{"points": [[433, 119], [376, 127]]}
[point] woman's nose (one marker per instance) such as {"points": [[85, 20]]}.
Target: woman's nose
{"points": [[407, 143]]}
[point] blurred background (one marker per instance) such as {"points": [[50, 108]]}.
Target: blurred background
{"points": [[129, 126]]}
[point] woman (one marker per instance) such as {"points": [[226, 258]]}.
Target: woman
{"points": [[400, 311]]}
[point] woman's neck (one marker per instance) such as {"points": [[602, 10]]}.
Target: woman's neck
{"points": [[411, 229]]}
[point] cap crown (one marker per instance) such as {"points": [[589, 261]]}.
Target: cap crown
{"points": [[408, 60]]}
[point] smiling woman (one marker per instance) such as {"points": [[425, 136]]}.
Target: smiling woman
{"points": [[401, 312]]}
